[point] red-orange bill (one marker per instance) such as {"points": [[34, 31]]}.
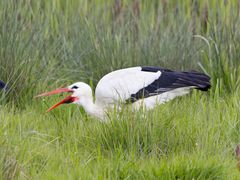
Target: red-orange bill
{"points": [[66, 100], [57, 91]]}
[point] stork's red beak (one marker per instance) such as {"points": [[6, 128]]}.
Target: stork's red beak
{"points": [[68, 99], [57, 91]]}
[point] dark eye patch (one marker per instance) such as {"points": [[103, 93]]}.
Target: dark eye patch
{"points": [[74, 87]]}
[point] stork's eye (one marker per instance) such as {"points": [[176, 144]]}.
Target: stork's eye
{"points": [[74, 87]]}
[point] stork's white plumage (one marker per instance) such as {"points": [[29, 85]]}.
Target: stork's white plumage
{"points": [[138, 86]]}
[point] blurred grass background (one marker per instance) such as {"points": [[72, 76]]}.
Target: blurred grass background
{"points": [[52, 42], [46, 44]]}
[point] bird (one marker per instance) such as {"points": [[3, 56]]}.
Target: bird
{"points": [[140, 86], [3, 85]]}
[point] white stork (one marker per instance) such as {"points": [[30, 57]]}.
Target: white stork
{"points": [[147, 86], [3, 86]]}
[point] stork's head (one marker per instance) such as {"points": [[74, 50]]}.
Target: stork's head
{"points": [[80, 92]]}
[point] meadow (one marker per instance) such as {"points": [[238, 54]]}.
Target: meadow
{"points": [[49, 44]]}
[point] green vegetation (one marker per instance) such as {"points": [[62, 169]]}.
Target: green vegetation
{"points": [[46, 44]]}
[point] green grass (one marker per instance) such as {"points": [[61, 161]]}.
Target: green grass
{"points": [[172, 141], [47, 44]]}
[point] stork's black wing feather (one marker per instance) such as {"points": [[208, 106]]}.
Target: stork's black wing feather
{"points": [[3, 85], [170, 80]]}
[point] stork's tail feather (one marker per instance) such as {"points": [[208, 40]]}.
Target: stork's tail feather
{"points": [[201, 81]]}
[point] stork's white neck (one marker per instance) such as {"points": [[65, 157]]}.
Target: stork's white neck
{"points": [[92, 108], [84, 96]]}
